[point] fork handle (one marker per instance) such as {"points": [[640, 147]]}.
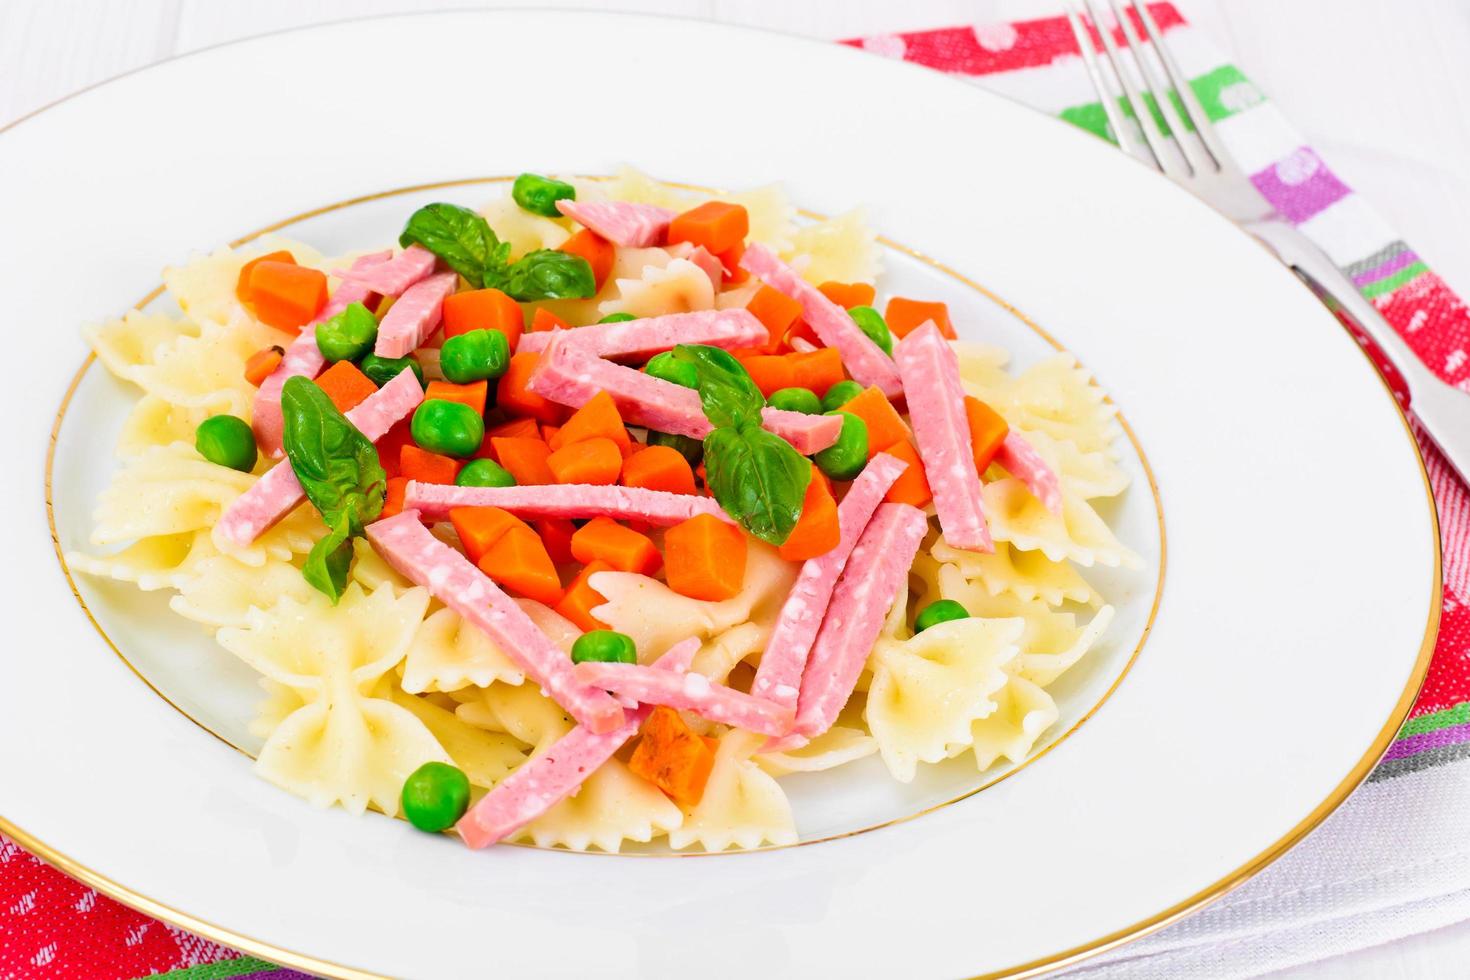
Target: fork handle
{"points": [[1442, 410]]}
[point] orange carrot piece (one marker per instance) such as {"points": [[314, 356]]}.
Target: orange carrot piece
{"points": [[480, 527], [345, 385], [716, 225], [598, 251], [525, 459], [704, 558], [514, 429], [913, 486], [730, 261], [473, 395], [659, 468], [390, 447], [817, 531], [987, 431], [604, 539], [393, 499], [556, 533], [596, 461], [885, 426], [426, 467], [905, 315], [770, 372], [513, 395], [285, 295], [242, 281], [776, 311], [262, 364], [849, 294], [518, 561], [818, 370], [548, 431], [672, 757], [803, 330], [544, 319], [581, 598], [483, 309], [598, 418]]}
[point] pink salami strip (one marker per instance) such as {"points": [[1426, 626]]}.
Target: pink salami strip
{"points": [[653, 335], [569, 376], [304, 359], [543, 782], [931, 379], [1022, 461], [573, 500], [278, 492], [634, 225], [406, 544], [415, 316], [392, 278], [689, 692], [785, 656], [876, 570], [864, 360]]}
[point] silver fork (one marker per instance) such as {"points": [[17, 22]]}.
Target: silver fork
{"points": [[1204, 166]]}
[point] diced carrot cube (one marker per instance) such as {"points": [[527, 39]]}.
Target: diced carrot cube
{"points": [[770, 372], [285, 295], [262, 364], [242, 281], [595, 461], [849, 294], [704, 558], [672, 757], [818, 370], [483, 309], [730, 258], [913, 486], [518, 561], [473, 394], [393, 499], [426, 467], [987, 431], [544, 319], [514, 429], [390, 447], [598, 251], [603, 539], [659, 468], [905, 315], [817, 531], [556, 533], [480, 527], [345, 385], [525, 459], [581, 598], [598, 418], [717, 225], [885, 426], [516, 398], [776, 311]]}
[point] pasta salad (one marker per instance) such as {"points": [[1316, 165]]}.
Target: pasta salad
{"points": [[584, 518]]}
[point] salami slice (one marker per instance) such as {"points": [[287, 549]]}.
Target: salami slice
{"points": [[864, 360], [652, 335], [936, 398], [407, 545], [278, 492], [622, 223], [689, 692], [411, 320], [572, 500], [392, 278], [543, 782], [1022, 461], [785, 656]]}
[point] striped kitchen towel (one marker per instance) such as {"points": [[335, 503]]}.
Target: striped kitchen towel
{"points": [[1393, 860]]}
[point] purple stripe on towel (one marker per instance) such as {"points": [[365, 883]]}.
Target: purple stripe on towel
{"points": [[1402, 260], [1299, 186], [1440, 737]]}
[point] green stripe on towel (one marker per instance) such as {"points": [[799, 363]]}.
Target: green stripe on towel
{"points": [[1458, 715], [219, 970], [1394, 281], [1222, 93]]}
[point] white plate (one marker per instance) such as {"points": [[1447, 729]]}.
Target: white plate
{"points": [[1296, 620]]}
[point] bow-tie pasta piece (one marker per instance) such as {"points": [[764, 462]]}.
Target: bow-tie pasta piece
{"points": [[928, 690], [1024, 574], [161, 562], [485, 757], [982, 364], [636, 187], [447, 654], [1085, 475], [342, 745], [611, 807], [1056, 396], [1051, 654], [526, 232], [835, 747], [204, 287], [840, 249], [519, 710], [205, 372], [1078, 535], [222, 591], [772, 216], [156, 422], [721, 653], [1023, 712], [679, 287], [133, 341], [742, 805], [371, 572]]}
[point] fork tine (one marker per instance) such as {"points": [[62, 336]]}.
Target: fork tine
{"points": [[1105, 97], [1193, 157], [1151, 133], [1192, 108]]}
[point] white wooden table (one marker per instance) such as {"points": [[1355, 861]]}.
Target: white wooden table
{"points": [[1380, 89]]}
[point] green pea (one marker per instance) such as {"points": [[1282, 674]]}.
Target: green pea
{"points": [[604, 647], [679, 372], [840, 394], [802, 400], [435, 796], [617, 318], [871, 322], [484, 473], [688, 447], [846, 457], [381, 370], [938, 612], [539, 195], [474, 356], [450, 428], [228, 441], [348, 335]]}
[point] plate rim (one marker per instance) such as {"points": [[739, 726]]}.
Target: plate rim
{"points": [[1066, 957]]}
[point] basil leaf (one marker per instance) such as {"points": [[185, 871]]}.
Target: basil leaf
{"points": [[329, 561], [462, 239], [338, 469], [726, 392], [758, 478], [546, 274]]}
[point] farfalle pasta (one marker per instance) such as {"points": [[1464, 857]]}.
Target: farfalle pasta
{"points": [[586, 518]]}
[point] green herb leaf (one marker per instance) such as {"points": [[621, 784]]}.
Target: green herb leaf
{"points": [[758, 478], [339, 471], [461, 238], [546, 274], [726, 392]]}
